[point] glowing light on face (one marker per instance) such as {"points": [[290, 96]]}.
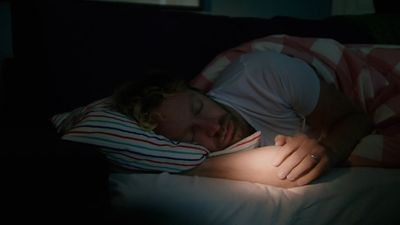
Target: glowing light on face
{"points": [[190, 116]]}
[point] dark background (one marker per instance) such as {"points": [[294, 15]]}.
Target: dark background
{"points": [[69, 53]]}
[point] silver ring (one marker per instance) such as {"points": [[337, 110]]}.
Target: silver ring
{"points": [[315, 157]]}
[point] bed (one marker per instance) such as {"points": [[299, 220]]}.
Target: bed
{"points": [[345, 196], [70, 54]]}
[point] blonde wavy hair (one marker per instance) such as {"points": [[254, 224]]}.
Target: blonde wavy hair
{"points": [[137, 99]]}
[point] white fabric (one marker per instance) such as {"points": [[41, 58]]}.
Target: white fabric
{"points": [[267, 89], [248, 143], [344, 196]]}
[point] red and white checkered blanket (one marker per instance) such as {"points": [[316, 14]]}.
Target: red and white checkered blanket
{"points": [[368, 74]]}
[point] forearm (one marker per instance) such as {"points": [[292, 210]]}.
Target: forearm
{"points": [[253, 166], [343, 136]]}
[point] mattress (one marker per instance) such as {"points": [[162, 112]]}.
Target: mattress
{"points": [[356, 195]]}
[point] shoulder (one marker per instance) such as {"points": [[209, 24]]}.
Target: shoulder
{"points": [[264, 58]]}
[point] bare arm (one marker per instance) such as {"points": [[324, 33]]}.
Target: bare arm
{"points": [[252, 165]]}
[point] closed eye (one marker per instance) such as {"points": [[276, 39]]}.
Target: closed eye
{"points": [[197, 106]]}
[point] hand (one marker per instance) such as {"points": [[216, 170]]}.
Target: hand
{"points": [[301, 159]]}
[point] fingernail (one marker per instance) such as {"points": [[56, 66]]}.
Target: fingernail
{"points": [[290, 177], [282, 175], [301, 183], [275, 163]]}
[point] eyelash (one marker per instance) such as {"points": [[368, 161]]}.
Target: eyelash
{"points": [[199, 108]]}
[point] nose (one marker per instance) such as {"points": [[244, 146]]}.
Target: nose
{"points": [[210, 127]]}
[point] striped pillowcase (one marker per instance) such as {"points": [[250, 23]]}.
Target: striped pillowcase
{"points": [[124, 143]]}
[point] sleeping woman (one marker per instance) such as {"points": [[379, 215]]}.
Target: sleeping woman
{"points": [[306, 125]]}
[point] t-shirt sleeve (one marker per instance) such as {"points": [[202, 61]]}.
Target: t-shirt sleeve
{"points": [[291, 79]]}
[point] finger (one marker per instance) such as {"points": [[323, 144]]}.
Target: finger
{"points": [[282, 154], [308, 163], [295, 160], [320, 168], [280, 140], [302, 160], [290, 145]]}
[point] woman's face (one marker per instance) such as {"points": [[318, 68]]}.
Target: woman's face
{"points": [[189, 116]]}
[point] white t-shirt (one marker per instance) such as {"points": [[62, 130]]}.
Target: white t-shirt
{"points": [[273, 92]]}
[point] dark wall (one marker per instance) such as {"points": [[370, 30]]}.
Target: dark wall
{"points": [[74, 52], [306, 9], [5, 30], [387, 6]]}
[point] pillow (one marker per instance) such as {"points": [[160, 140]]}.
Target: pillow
{"points": [[123, 142]]}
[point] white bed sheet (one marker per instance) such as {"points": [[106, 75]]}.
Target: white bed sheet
{"points": [[343, 196]]}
